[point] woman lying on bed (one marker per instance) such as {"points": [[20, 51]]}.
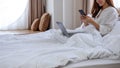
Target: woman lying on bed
{"points": [[104, 16]]}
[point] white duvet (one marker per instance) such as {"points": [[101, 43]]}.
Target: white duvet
{"points": [[50, 49]]}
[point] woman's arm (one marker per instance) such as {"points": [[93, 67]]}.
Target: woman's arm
{"points": [[84, 21], [88, 20], [94, 23], [106, 20]]}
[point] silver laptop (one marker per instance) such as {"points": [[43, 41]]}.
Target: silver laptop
{"points": [[64, 31]]}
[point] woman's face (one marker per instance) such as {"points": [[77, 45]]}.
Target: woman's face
{"points": [[101, 2]]}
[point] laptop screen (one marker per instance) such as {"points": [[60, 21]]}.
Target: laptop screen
{"points": [[63, 29]]}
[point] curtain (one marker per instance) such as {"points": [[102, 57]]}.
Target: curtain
{"points": [[36, 9], [87, 6]]}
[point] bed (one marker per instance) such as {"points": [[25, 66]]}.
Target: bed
{"points": [[95, 63], [42, 50]]}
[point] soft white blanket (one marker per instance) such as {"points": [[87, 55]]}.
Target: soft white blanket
{"points": [[45, 50]]}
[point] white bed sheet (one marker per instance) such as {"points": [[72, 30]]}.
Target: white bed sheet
{"points": [[41, 50], [95, 63]]}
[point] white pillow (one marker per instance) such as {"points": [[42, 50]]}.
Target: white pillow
{"points": [[113, 44], [112, 40], [116, 29]]}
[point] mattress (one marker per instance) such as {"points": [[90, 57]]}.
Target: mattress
{"points": [[95, 63]]}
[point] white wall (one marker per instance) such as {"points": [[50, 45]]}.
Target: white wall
{"points": [[50, 9], [65, 11], [68, 13], [58, 11], [54, 7], [78, 4]]}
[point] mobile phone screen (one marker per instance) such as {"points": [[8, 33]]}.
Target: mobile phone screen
{"points": [[82, 12]]}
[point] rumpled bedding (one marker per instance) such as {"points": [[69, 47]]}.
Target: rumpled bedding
{"points": [[51, 49]]}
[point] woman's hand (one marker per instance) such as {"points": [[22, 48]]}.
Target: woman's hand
{"points": [[83, 19], [88, 20]]}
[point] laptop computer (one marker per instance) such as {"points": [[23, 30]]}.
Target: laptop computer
{"points": [[64, 31]]}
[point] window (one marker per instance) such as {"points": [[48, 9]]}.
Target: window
{"points": [[10, 11], [117, 3]]}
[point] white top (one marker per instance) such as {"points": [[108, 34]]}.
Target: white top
{"points": [[106, 20]]}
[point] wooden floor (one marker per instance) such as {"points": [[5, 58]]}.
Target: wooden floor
{"points": [[18, 32]]}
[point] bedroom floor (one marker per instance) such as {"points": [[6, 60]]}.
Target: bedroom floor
{"points": [[18, 32]]}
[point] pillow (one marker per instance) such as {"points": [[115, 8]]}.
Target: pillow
{"points": [[113, 44], [112, 39], [116, 29], [44, 22], [35, 24]]}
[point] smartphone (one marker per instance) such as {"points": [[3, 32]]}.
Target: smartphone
{"points": [[82, 12]]}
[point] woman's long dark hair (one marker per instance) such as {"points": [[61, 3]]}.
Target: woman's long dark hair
{"points": [[96, 8]]}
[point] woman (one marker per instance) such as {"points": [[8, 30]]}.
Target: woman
{"points": [[104, 14]]}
